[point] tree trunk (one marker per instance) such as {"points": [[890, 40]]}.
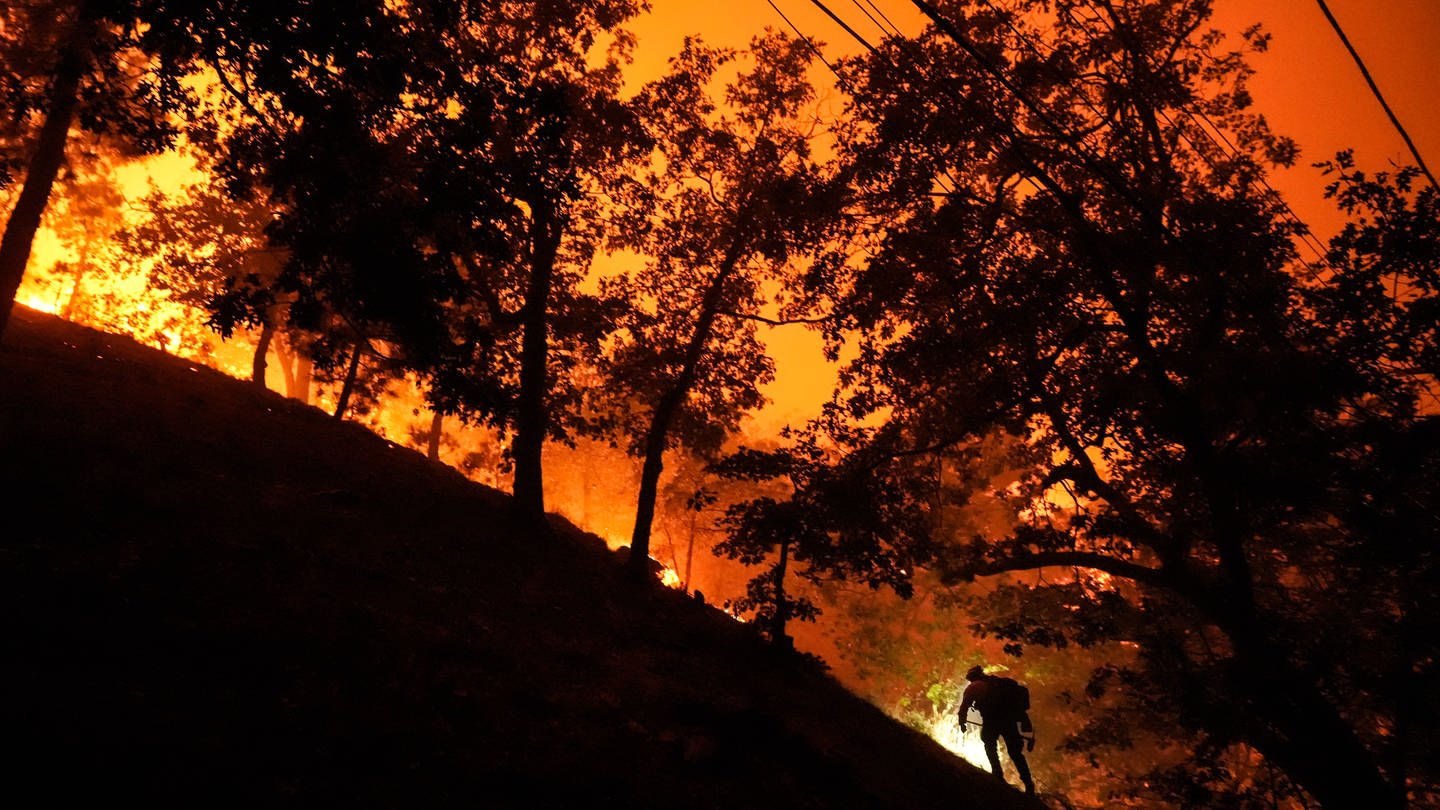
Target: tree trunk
{"points": [[665, 411], [262, 348], [349, 386], [531, 418], [639, 562], [1320, 751], [303, 371], [287, 364], [76, 291], [24, 219], [1300, 729], [782, 606], [432, 447], [689, 554]]}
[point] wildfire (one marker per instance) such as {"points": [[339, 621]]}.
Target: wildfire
{"points": [[965, 744], [35, 302]]}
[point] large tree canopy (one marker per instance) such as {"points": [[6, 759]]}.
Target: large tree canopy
{"points": [[441, 189], [110, 69], [1043, 240], [1072, 257], [735, 201]]}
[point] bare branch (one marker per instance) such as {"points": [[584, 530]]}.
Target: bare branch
{"points": [[1077, 559], [776, 321], [240, 96]]}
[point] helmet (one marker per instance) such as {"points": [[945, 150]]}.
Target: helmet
{"points": [[976, 672]]}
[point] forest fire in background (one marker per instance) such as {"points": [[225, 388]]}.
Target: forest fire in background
{"points": [[1086, 394]]}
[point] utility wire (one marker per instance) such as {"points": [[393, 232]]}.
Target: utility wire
{"points": [[883, 30], [1214, 134], [813, 49], [939, 180], [894, 29], [851, 31], [1375, 90]]}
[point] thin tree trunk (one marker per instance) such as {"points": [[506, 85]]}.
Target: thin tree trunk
{"points": [[586, 468], [782, 606], [531, 418], [262, 348], [304, 367], [24, 219], [689, 553], [664, 414], [350, 375], [432, 447], [287, 364], [68, 313]]}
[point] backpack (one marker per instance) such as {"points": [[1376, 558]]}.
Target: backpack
{"points": [[1011, 698]]}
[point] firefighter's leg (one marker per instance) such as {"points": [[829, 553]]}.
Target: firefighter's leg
{"points": [[989, 736], [1015, 745]]}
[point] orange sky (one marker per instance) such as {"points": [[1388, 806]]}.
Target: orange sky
{"points": [[1306, 85]]}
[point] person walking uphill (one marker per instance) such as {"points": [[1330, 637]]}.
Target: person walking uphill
{"points": [[1004, 707]]}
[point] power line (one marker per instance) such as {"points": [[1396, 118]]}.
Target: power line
{"points": [[871, 17], [1215, 135], [1375, 90], [813, 49], [1078, 144], [851, 31], [894, 29]]}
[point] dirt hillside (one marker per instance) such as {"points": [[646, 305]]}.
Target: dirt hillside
{"points": [[216, 596]]}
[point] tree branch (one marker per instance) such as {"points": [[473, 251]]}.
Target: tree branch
{"points": [[1076, 559], [775, 321], [240, 96]]}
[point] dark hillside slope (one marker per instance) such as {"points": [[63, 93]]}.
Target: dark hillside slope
{"points": [[216, 596]]}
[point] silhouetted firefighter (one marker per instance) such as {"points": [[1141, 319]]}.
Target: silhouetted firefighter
{"points": [[1004, 707]]}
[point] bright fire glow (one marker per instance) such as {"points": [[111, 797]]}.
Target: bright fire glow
{"points": [[967, 745], [946, 731], [668, 577], [35, 302]]}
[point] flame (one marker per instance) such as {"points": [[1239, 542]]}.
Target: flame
{"points": [[965, 744], [35, 302]]}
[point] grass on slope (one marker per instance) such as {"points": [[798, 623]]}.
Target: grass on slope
{"points": [[217, 596]]}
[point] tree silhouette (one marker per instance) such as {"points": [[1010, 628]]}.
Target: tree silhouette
{"points": [[1071, 259], [208, 249], [524, 138], [119, 70], [738, 200], [829, 511], [94, 65]]}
